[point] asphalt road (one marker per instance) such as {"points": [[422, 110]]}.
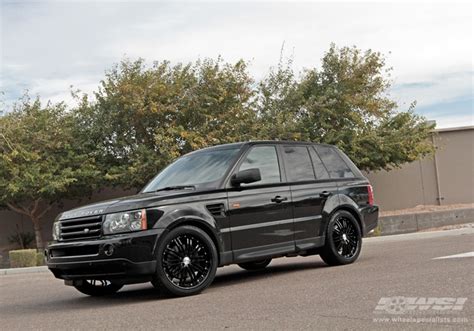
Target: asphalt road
{"points": [[292, 293]]}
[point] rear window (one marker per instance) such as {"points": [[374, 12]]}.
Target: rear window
{"points": [[335, 165], [298, 163]]}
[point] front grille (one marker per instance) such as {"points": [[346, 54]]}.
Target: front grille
{"points": [[81, 228]]}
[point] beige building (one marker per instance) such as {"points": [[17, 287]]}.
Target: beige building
{"points": [[446, 178]]}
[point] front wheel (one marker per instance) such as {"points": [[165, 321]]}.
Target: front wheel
{"points": [[255, 265], [95, 287], [343, 239], [186, 261]]}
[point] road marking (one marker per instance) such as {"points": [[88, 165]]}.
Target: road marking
{"points": [[468, 254]]}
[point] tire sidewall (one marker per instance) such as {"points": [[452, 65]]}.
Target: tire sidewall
{"points": [[330, 242], [160, 273]]}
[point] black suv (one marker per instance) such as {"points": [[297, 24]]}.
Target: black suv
{"points": [[243, 203]]}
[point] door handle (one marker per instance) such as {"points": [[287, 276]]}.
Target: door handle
{"points": [[279, 199], [325, 194]]}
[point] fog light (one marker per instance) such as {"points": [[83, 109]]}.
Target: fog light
{"points": [[109, 250]]}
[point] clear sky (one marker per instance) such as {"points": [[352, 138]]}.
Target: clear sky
{"points": [[47, 46]]}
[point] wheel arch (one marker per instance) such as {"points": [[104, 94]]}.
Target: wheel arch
{"points": [[342, 202], [200, 224], [354, 213]]}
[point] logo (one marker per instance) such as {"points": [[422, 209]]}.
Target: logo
{"points": [[74, 214], [403, 305], [86, 230]]}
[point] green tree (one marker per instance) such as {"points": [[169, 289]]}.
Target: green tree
{"points": [[346, 103], [144, 117], [42, 161]]}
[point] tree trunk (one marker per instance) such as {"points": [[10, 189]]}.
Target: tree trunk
{"points": [[38, 236], [31, 212]]}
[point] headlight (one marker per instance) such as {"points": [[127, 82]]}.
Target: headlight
{"points": [[56, 230], [125, 222]]}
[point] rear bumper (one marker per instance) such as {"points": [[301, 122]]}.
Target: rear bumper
{"points": [[116, 257], [370, 219]]}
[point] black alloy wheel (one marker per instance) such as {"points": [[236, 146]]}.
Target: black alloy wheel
{"points": [[97, 287], [343, 239], [187, 261]]}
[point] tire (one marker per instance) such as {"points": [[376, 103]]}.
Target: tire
{"points": [[98, 287], [255, 265], [343, 239], [186, 261]]}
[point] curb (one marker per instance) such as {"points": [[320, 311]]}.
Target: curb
{"points": [[408, 223], [28, 270]]}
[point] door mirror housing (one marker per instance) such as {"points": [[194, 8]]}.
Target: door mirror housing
{"points": [[245, 177]]}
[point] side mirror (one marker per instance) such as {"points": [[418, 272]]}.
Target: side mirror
{"points": [[246, 176]]}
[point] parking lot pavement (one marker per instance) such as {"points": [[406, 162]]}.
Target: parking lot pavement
{"points": [[397, 283]]}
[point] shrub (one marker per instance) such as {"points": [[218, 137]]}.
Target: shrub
{"points": [[39, 258], [23, 258]]}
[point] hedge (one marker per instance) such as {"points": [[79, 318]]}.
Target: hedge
{"points": [[23, 258], [39, 258]]}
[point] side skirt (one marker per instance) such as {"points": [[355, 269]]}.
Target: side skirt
{"points": [[303, 247]]}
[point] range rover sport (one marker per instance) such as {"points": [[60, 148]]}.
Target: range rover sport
{"points": [[243, 203]]}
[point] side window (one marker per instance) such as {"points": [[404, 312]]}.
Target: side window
{"points": [[319, 168], [334, 163], [266, 160], [298, 163]]}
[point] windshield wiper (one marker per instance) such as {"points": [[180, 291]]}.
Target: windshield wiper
{"points": [[176, 187]]}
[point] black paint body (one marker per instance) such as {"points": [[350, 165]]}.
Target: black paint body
{"points": [[245, 223]]}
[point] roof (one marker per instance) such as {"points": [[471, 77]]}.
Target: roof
{"points": [[256, 142], [457, 128]]}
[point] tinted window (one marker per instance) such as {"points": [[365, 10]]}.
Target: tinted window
{"points": [[265, 159], [195, 169], [334, 163], [298, 164], [319, 169]]}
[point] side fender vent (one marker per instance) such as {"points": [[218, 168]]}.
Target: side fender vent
{"points": [[216, 210]]}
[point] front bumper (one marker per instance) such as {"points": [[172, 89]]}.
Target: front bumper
{"points": [[120, 256]]}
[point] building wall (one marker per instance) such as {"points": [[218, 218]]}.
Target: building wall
{"points": [[456, 166], [450, 170]]}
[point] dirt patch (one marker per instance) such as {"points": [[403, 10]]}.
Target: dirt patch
{"points": [[426, 209]]}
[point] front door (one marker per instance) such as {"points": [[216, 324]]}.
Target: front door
{"points": [[260, 213]]}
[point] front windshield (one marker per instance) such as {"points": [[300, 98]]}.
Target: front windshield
{"points": [[196, 169]]}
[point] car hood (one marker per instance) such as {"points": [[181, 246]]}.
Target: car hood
{"points": [[138, 201]]}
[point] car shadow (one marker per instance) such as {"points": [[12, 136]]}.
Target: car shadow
{"points": [[242, 276], [146, 292]]}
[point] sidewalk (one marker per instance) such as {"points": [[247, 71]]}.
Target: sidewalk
{"points": [[29, 270]]}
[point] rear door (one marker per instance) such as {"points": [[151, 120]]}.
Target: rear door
{"points": [[261, 221], [310, 187]]}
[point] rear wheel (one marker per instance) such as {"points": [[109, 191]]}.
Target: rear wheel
{"points": [[343, 239], [95, 287], [186, 261], [255, 265]]}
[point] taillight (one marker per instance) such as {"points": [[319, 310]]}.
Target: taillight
{"points": [[370, 192]]}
